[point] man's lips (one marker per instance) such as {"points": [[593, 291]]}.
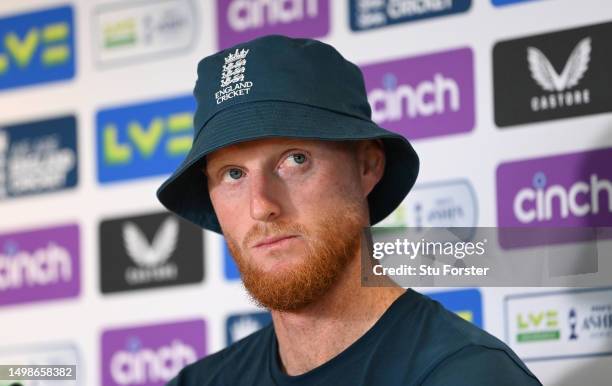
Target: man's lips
{"points": [[272, 240]]}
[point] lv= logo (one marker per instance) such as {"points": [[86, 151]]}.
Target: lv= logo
{"points": [[146, 139], [50, 40]]}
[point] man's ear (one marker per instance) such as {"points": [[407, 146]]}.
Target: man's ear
{"points": [[371, 156]]}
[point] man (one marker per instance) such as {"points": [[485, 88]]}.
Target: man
{"points": [[287, 165]]}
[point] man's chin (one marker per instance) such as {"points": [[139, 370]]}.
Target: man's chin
{"points": [[290, 284], [279, 264]]}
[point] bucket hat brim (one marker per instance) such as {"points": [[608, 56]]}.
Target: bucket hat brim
{"points": [[185, 192]]}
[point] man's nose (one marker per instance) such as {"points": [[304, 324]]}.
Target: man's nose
{"points": [[265, 196]]}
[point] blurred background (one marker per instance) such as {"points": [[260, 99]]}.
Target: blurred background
{"points": [[507, 103]]}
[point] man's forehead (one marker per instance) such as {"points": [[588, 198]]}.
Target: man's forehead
{"points": [[264, 145]]}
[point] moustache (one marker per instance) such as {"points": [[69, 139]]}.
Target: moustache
{"points": [[273, 229]]}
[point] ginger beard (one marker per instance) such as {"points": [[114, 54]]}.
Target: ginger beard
{"points": [[330, 248]]}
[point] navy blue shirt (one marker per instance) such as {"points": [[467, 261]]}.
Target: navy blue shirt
{"points": [[415, 342]]}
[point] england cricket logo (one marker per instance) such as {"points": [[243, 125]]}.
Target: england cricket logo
{"points": [[233, 77]]}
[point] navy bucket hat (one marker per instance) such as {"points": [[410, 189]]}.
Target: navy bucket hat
{"points": [[276, 86]]}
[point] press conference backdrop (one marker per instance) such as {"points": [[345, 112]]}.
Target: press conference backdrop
{"points": [[504, 100]]}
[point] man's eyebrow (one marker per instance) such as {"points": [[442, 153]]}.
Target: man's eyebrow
{"points": [[221, 160], [213, 165]]}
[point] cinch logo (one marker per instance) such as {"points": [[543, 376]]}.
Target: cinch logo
{"points": [[537, 326], [150, 355], [580, 199], [567, 190], [552, 76], [38, 157], [242, 325], [465, 303], [149, 251], [439, 204], [368, 14], [429, 97], [143, 140], [425, 96], [126, 32], [560, 324], [36, 47], [44, 266], [242, 20], [39, 265], [137, 366]]}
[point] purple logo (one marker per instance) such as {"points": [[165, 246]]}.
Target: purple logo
{"points": [[150, 355], [242, 20], [573, 190], [38, 265], [424, 96]]}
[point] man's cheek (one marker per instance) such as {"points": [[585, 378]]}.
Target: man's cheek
{"points": [[313, 193], [230, 215]]}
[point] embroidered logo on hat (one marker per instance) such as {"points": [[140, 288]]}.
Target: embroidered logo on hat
{"points": [[232, 77]]}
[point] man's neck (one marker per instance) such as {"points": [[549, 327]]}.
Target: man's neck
{"points": [[314, 335]]}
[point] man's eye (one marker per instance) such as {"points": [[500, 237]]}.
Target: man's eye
{"points": [[234, 173], [298, 158]]}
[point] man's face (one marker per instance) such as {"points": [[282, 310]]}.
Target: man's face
{"points": [[292, 212]]}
